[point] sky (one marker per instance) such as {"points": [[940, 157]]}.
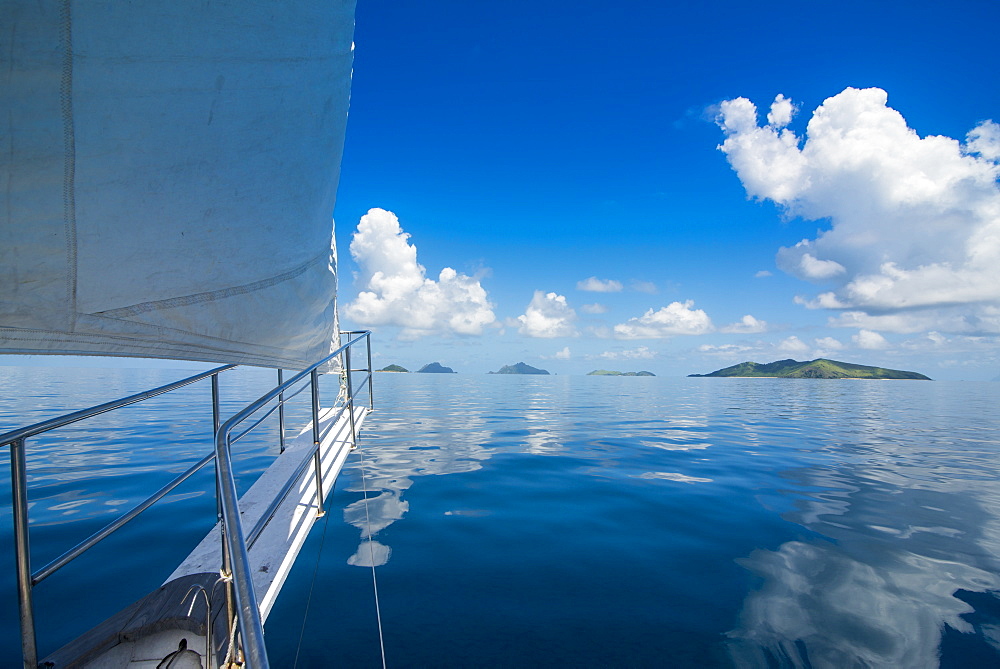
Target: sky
{"points": [[650, 186]]}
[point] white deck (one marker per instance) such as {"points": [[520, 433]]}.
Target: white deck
{"points": [[272, 556]]}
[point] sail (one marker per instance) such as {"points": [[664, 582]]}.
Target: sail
{"points": [[168, 173]]}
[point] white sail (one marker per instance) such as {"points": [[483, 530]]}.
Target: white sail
{"points": [[168, 172]]}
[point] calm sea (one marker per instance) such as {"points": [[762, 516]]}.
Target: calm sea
{"points": [[566, 521]]}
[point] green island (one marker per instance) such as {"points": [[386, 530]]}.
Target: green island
{"points": [[393, 368], [519, 368], [608, 372], [821, 368], [435, 368]]}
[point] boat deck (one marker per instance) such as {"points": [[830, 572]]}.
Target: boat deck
{"points": [[173, 618]]}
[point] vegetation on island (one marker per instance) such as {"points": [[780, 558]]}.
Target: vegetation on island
{"points": [[820, 368], [393, 368], [519, 368], [608, 372], [435, 368]]}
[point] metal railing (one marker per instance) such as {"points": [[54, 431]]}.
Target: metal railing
{"points": [[242, 600], [236, 562]]}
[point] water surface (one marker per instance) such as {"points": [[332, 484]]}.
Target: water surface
{"points": [[605, 521]]}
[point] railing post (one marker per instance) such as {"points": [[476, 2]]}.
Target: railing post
{"points": [[350, 397], [215, 433], [371, 372], [281, 415], [318, 465], [227, 563], [19, 492], [240, 580]]}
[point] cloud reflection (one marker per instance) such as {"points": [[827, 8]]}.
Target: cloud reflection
{"points": [[882, 590]]}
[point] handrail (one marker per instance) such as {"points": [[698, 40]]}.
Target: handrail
{"points": [[114, 525], [235, 556], [279, 405], [235, 544], [60, 421], [19, 489]]}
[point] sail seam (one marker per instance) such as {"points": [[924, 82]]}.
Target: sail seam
{"points": [[69, 158], [222, 293], [143, 349], [134, 341]]}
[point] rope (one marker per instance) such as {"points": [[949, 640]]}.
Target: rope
{"points": [[312, 585], [371, 553], [231, 651]]}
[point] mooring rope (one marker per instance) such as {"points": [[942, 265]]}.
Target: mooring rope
{"points": [[371, 554], [312, 585]]}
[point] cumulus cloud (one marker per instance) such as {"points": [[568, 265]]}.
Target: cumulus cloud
{"points": [[640, 353], [725, 350], [762, 274], [869, 340], [914, 222], [547, 315], [781, 112], [828, 343], [595, 308], [747, 325], [564, 354], [595, 285], [807, 266], [396, 291], [792, 345], [984, 139], [676, 318]]}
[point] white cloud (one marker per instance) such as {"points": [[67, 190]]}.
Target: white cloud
{"points": [[950, 320], [792, 345], [930, 341], [595, 308], [396, 291], [564, 354], [747, 325], [984, 139], [674, 319], [547, 315], [808, 266], [640, 353], [595, 285], [781, 112], [869, 340], [914, 221], [725, 350], [762, 274], [828, 343]]}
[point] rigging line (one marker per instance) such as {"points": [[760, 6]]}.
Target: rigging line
{"points": [[371, 553], [312, 585]]}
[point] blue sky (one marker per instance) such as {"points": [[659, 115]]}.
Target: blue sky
{"points": [[531, 146]]}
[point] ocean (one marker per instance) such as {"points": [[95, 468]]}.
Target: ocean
{"points": [[567, 521]]}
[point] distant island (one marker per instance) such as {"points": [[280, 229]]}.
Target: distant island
{"points": [[820, 368], [435, 368], [393, 368], [606, 372], [519, 368]]}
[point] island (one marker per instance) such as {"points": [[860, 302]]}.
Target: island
{"points": [[520, 368], [821, 368], [393, 368], [608, 372], [435, 368]]}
